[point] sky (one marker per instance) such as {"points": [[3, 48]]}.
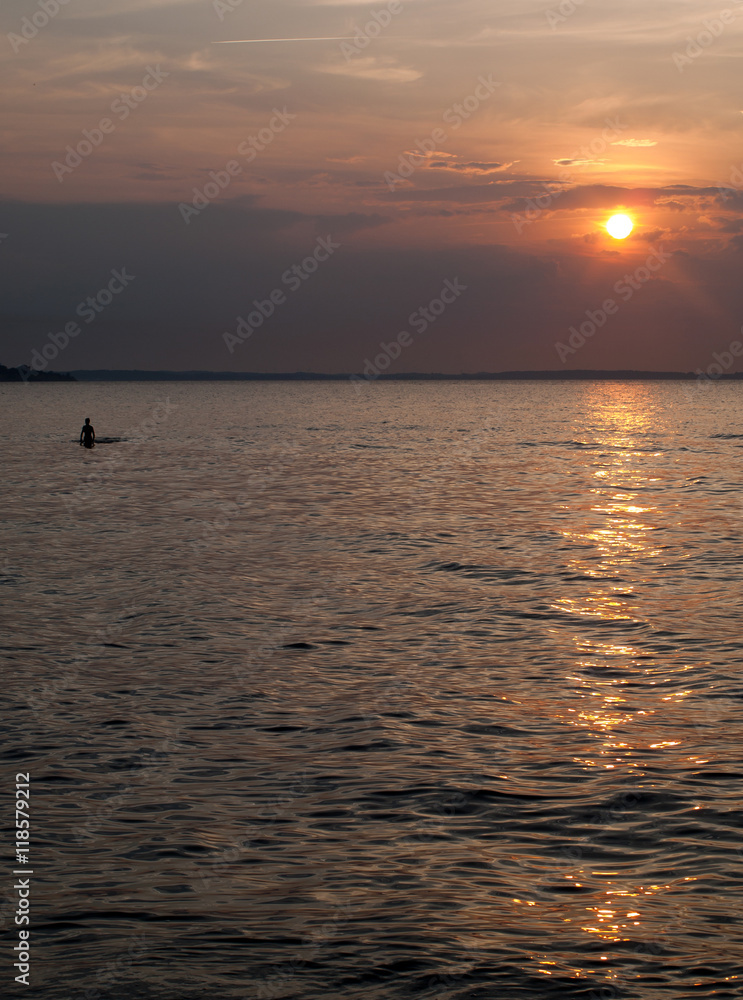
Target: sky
{"points": [[423, 186]]}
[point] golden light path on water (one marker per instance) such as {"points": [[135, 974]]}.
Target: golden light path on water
{"points": [[621, 522]]}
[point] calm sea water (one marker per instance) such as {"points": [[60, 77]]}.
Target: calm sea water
{"points": [[433, 690]]}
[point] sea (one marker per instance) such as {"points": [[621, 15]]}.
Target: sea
{"points": [[374, 691]]}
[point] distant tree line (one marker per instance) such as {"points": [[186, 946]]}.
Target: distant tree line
{"points": [[26, 374]]}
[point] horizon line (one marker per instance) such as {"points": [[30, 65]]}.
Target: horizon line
{"points": [[196, 374], [385, 375]]}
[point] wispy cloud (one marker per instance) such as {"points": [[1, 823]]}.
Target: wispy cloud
{"points": [[472, 167], [380, 68]]}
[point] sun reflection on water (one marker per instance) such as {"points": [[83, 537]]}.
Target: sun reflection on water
{"points": [[621, 697], [619, 532]]}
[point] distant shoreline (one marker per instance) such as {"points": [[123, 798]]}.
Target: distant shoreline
{"points": [[138, 375], [201, 376]]}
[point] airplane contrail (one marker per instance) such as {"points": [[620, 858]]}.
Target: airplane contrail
{"points": [[243, 41]]}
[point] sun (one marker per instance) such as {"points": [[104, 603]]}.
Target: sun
{"points": [[620, 226]]}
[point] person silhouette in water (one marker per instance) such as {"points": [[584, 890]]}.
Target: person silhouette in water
{"points": [[87, 434]]}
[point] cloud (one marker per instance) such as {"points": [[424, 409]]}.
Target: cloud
{"points": [[650, 235], [729, 225], [635, 142], [519, 194], [384, 69], [114, 8], [472, 167], [577, 162], [350, 222], [490, 191], [346, 159]]}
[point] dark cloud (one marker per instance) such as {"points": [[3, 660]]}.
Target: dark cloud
{"points": [[650, 235], [576, 163], [729, 225], [350, 222], [490, 191]]}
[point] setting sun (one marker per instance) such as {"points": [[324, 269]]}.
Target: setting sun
{"points": [[619, 226]]}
